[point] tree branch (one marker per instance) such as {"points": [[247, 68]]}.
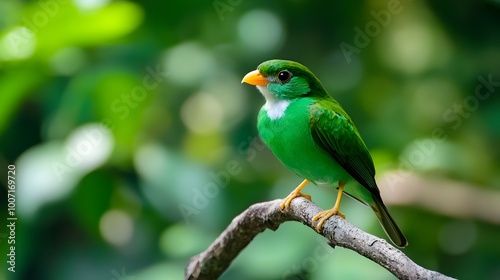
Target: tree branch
{"points": [[212, 262]]}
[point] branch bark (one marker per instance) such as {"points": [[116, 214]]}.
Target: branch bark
{"points": [[211, 263]]}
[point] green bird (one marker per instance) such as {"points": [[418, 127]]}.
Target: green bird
{"points": [[310, 133]]}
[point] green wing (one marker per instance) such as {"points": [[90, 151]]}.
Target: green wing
{"points": [[334, 132]]}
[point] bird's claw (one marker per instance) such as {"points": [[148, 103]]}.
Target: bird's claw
{"points": [[323, 216], [286, 202]]}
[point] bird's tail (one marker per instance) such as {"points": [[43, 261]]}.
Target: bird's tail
{"points": [[388, 224]]}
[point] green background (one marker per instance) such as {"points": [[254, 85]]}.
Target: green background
{"points": [[135, 143]]}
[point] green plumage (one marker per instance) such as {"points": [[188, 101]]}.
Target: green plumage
{"points": [[313, 136]]}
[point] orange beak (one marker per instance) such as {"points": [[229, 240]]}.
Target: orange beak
{"points": [[255, 78]]}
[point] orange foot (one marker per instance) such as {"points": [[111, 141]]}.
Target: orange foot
{"points": [[295, 193], [325, 215]]}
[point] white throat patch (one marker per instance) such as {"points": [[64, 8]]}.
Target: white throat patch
{"points": [[275, 107]]}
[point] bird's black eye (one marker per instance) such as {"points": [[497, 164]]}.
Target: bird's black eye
{"points": [[284, 76]]}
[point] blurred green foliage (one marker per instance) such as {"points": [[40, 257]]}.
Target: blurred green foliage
{"points": [[135, 144]]}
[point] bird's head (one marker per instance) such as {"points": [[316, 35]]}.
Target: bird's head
{"points": [[284, 80]]}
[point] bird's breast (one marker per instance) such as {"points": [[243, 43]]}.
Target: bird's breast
{"points": [[291, 141], [284, 123]]}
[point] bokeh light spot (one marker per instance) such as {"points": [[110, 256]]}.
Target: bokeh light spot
{"points": [[18, 44], [192, 239], [414, 43], [202, 113], [261, 31], [457, 237], [68, 60], [89, 146], [86, 5], [116, 227], [188, 63], [51, 170], [410, 48]]}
